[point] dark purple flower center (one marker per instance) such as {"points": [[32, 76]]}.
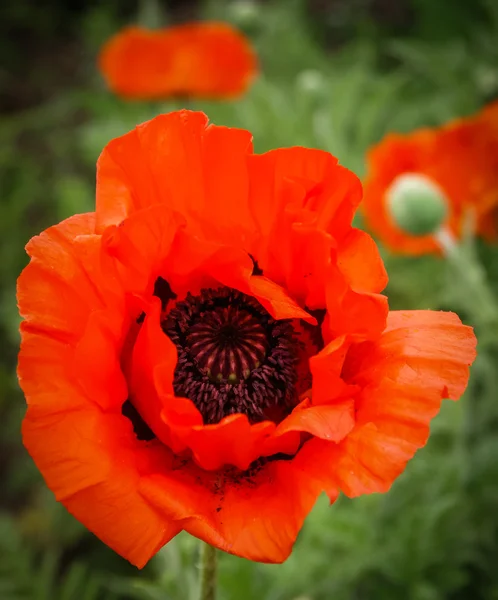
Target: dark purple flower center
{"points": [[233, 357], [228, 343]]}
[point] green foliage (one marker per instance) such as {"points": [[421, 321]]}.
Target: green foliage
{"points": [[26, 576], [435, 534]]}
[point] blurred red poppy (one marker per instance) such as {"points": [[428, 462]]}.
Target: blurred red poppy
{"points": [[209, 350], [461, 158], [208, 60]]}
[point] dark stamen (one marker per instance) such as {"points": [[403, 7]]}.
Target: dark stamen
{"points": [[233, 357]]}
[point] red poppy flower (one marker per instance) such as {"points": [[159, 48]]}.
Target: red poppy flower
{"points": [[461, 158], [209, 350], [210, 60]]}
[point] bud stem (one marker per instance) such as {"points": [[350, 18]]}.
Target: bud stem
{"points": [[150, 14], [208, 572], [461, 258], [482, 307]]}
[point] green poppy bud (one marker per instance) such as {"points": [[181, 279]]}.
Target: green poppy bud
{"points": [[417, 204]]}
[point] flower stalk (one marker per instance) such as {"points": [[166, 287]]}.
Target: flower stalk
{"points": [[482, 306], [209, 560], [472, 277]]}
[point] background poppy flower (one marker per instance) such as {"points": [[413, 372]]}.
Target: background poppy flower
{"points": [[209, 350], [210, 60], [460, 158]]}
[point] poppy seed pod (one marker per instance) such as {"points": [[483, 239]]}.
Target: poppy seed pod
{"points": [[416, 204]]}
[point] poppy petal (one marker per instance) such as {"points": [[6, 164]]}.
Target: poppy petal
{"points": [[361, 315], [303, 203], [276, 301], [314, 172], [140, 247], [254, 515], [422, 357], [44, 371], [326, 369], [232, 441], [359, 260], [55, 292], [88, 460], [153, 350], [95, 364], [232, 267], [298, 186], [178, 160], [61, 288], [327, 421]]}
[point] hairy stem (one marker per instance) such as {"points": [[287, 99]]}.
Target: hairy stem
{"points": [[208, 572], [472, 279]]}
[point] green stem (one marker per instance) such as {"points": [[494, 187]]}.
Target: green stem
{"points": [[150, 14], [481, 303], [475, 290], [208, 572]]}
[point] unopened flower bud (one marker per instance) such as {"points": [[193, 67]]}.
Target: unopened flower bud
{"points": [[417, 204]]}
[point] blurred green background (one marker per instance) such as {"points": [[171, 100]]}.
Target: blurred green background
{"points": [[336, 74]]}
